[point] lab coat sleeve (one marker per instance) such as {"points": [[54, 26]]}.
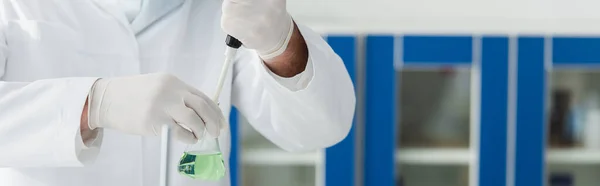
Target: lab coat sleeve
{"points": [[298, 82], [39, 120], [315, 113]]}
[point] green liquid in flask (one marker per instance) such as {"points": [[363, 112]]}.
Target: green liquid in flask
{"points": [[205, 166]]}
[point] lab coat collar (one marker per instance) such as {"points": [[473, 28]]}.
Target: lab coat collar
{"points": [[152, 11]]}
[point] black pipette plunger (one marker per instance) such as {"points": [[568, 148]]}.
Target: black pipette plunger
{"points": [[233, 42]]}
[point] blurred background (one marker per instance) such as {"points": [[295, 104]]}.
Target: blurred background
{"points": [[451, 93]]}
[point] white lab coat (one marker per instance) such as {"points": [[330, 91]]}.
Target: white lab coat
{"points": [[51, 52]]}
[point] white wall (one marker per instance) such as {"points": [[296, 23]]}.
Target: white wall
{"points": [[449, 16]]}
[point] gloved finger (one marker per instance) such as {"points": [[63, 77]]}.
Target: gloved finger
{"points": [[211, 103], [208, 111], [184, 135], [204, 97], [196, 91], [188, 120]]}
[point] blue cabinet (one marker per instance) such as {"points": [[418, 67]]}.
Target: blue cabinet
{"points": [[509, 77]]}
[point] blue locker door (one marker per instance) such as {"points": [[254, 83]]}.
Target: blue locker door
{"points": [[535, 55], [488, 56]]}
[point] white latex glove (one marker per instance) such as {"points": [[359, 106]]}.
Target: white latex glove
{"points": [[142, 104], [262, 25]]}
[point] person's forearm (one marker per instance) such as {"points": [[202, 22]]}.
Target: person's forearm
{"points": [[293, 61]]}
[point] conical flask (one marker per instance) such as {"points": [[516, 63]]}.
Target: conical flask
{"points": [[203, 160]]}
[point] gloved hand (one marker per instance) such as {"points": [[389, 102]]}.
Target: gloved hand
{"points": [[142, 104], [262, 25]]}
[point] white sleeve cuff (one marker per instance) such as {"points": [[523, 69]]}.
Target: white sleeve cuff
{"points": [[69, 152], [88, 150]]}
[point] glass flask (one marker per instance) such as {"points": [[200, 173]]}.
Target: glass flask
{"points": [[203, 160]]}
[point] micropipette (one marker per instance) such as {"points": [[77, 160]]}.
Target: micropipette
{"points": [[233, 45]]}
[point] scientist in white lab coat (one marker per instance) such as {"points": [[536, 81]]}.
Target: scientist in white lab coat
{"points": [[86, 84]]}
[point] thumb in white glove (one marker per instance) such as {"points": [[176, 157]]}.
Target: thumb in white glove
{"points": [[263, 25], [142, 104]]}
